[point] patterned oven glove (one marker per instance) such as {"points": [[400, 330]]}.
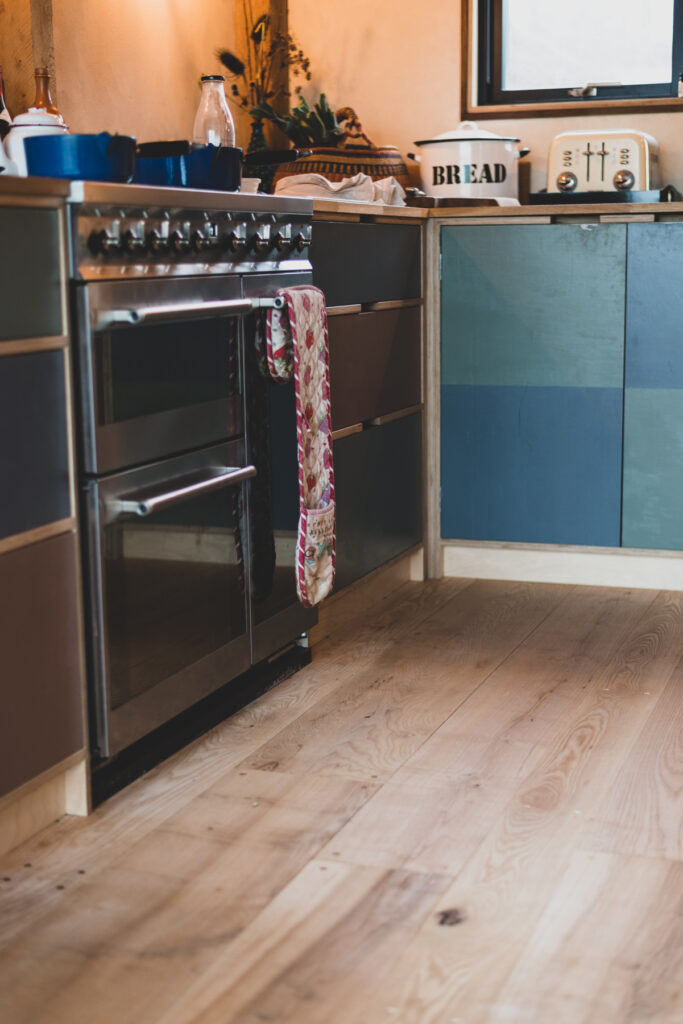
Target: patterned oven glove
{"points": [[296, 344]]}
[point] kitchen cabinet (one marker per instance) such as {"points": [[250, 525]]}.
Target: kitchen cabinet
{"points": [[41, 683], [31, 292], [653, 398], [371, 274], [532, 362]]}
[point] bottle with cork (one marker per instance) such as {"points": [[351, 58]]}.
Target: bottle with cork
{"points": [[43, 100]]}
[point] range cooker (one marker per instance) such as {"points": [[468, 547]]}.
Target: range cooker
{"points": [[187, 454]]}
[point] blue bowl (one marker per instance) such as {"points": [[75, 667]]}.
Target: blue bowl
{"points": [[205, 167], [101, 157], [160, 170]]}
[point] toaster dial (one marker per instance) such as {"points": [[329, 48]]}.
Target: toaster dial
{"points": [[624, 180], [567, 182]]}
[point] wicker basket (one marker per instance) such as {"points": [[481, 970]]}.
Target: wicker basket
{"points": [[337, 164]]}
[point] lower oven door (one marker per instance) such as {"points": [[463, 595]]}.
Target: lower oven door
{"points": [[159, 367], [168, 562]]}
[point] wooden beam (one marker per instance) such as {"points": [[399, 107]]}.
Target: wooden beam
{"points": [[26, 42]]}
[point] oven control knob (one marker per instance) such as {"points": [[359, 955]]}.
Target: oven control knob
{"points": [[301, 242], [567, 182], [262, 243], [178, 243], [133, 243], [283, 240], [624, 180], [199, 241], [237, 239], [156, 243], [103, 242]]}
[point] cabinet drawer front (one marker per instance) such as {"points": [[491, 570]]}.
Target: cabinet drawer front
{"points": [[40, 683], [374, 364], [378, 490], [354, 263], [34, 461], [30, 289]]}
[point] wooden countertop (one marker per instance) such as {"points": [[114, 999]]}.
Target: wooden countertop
{"points": [[355, 211], [12, 187]]}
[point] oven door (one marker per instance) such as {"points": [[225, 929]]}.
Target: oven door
{"points": [[159, 370], [168, 567]]}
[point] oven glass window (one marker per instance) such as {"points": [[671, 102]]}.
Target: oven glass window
{"points": [[174, 590], [142, 371]]}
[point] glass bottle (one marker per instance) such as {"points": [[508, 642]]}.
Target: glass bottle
{"points": [[213, 124], [4, 112], [43, 100]]}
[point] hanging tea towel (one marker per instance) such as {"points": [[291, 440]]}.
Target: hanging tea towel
{"points": [[296, 345]]}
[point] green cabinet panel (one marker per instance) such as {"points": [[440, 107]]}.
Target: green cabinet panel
{"points": [[653, 469], [533, 305]]}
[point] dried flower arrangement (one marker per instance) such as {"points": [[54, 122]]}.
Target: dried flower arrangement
{"points": [[267, 52]]}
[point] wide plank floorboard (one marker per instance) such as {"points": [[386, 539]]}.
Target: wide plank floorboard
{"points": [[466, 809]]}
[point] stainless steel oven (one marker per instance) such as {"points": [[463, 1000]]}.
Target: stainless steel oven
{"points": [[188, 468]]}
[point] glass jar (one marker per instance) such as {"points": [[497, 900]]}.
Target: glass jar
{"points": [[213, 124]]}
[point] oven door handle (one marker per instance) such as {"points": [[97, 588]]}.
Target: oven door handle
{"points": [[107, 318], [117, 508]]}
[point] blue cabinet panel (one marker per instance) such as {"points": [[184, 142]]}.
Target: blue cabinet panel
{"points": [[536, 465], [539, 305], [654, 316], [653, 468]]}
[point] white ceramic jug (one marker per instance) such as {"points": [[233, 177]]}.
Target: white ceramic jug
{"points": [[34, 122]]}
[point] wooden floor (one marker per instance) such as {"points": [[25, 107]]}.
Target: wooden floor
{"points": [[466, 809]]}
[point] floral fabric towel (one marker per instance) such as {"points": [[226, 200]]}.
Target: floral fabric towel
{"points": [[296, 344]]}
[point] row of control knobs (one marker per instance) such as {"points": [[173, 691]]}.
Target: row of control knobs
{"points": [[236, 243]]}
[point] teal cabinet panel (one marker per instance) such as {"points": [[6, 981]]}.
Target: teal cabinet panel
{"points": [[533, 305], [653, 469], [531, 465], [654, 312]]}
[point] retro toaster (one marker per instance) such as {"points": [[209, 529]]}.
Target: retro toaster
{"points": [[603, 161]]}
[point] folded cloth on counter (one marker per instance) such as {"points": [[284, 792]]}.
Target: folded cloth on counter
{"points": [[358, 189], [294, 342]]}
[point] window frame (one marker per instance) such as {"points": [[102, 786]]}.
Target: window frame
{"points": [[482, 94]]}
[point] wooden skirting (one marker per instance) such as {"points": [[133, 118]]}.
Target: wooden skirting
{"points": [[548, 563], [58, 791]]}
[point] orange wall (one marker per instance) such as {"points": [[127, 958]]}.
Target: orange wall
{"points": [[398, 64], [133, 66]]}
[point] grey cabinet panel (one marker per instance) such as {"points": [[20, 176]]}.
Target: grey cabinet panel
{"points": [[374, 364], [30, 291], [356, 263], [40, 689], [378, 490], [34, 459]]}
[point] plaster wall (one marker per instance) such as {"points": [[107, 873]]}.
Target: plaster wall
{"points": [[398, 65], [133, 66]]}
